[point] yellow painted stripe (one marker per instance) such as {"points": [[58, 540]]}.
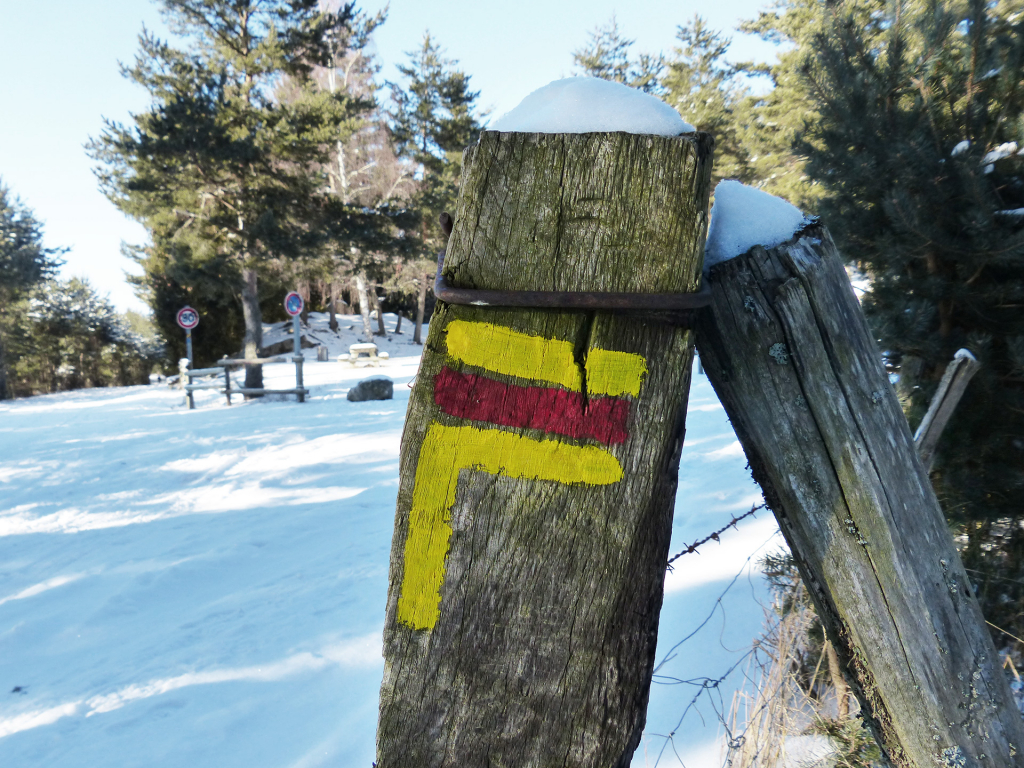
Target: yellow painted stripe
{"points": [[615, 373], [511, 353], [447, 450]]}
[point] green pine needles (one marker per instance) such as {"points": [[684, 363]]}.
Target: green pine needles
{"points": [[916, 148]]}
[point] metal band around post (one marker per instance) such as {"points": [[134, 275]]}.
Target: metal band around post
{"points": [[642, 302]]}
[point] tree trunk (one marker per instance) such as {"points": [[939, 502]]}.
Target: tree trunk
{"points": [[4, 387], [375, 302], [333, 307], [421, 308], [304, 291], [253, 340], [364, 307], [539, 460], [398, 322], [789, 353]]}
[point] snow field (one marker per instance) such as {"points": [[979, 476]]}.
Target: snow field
{"points": [[206, 588]]}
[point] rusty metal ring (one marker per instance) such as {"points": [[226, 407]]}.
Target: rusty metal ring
{"points": [[642, 302]]}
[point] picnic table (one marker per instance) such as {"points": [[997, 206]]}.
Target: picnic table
{"points": [[364, 354]]}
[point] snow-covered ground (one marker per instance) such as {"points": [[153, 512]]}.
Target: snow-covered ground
{"points": [[350, 331], [206, 588]]}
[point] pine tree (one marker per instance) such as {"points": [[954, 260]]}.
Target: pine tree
{"points": [[703, 88], [433, 119], [24, 263], [67, 336], [916, 149], [770, 123], [607, 56], [218, 169]]}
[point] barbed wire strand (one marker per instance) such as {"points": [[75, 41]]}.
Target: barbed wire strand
{"points": [[714, 536], [706, 684]]}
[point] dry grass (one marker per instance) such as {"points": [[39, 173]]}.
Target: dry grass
{"points": [[788, 715]]}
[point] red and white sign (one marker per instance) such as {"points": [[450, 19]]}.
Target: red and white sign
{"points": [[293, 304], [188, 318]]}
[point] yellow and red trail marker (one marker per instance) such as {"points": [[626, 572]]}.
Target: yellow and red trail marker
{"points": [[552, 402]]}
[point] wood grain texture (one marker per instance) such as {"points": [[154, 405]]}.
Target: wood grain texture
{"points": [[544, 643], [787, 349]]}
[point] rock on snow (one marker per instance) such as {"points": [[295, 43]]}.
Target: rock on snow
{"points": [[373, 388]]}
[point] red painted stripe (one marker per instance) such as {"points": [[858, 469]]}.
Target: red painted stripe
{"points": [[468, 396]]}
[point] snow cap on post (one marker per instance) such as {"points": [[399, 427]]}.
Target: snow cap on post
{"points": [[591, 105], [743, 217]]}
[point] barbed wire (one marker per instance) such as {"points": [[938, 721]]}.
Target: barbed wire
{"points": [[714, 536], [706, 685]]}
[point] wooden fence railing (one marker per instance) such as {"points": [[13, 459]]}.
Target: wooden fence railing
{"points": [[223, 370]]}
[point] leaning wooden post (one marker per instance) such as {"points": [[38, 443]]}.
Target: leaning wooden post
{"points": [[789, 353], [954, 382], [540, 457]]}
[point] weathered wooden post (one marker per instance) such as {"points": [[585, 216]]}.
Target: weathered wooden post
{"points": [[540, 458], [789, 353], [954, 383]]}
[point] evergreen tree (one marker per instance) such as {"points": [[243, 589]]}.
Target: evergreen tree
{"points": [[606, 56], [770, 124], [24, 263], [218, 169], [433, 119], [703, 88], [916, 150], [75, 339]]}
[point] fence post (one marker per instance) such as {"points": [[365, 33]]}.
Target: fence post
{"points": [[789, 352], [184, 366], [540, 458], [227, 383]]}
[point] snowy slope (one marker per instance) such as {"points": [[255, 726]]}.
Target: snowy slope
{"points": [[350, 331], [207, 588]]}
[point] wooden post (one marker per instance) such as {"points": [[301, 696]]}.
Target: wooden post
{"points": [[185, 379], [540, 458], [789, 353], [227, 383], [954, 382]]}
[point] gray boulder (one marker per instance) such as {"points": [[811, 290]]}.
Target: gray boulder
{"points": [[373, 388]]}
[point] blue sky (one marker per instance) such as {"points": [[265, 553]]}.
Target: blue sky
{"points": [[59, 77]]}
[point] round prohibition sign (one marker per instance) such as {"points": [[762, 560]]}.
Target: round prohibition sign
{"points": [[188, 318], [293, 304]]}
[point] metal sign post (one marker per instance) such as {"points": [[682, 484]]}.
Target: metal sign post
{"points": [[188, 319], [293, 305]]}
